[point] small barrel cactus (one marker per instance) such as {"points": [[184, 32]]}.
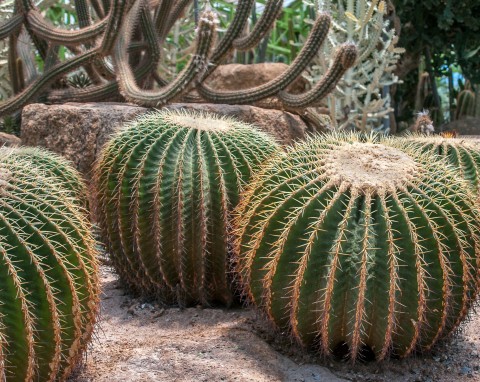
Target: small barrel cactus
{"points": [[359, 244], [52, 166], [49, 288], [165, 188], [464, 154]]}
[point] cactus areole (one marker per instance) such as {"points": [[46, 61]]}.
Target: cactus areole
{"points": [[367, 246], [165, 188]]}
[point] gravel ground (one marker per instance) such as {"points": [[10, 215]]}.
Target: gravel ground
{"points": [[139, 340]]}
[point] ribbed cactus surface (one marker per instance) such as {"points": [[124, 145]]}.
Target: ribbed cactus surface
{"points": [[165, 188], [48, 284], [50, 165], [463, 154], [351, 243]]}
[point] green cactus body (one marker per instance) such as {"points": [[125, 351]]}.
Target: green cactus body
{"points": [[165, 189], [366, 245], [52, 166], [49, 288], [463, 154]]}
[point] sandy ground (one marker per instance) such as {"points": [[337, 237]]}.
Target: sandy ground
{"points": [[139, 340]]}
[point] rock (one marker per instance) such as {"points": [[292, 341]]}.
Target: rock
{"points": [[9, 140], [78, 131], [238, 76]]}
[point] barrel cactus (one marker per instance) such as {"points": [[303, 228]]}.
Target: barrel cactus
{"points": [[52, 166], [360, 244], [49, 289], [165, 187], [463, 154]]}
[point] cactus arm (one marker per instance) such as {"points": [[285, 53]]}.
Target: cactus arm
{"points": [[64, 37], [10, 26], [90, 94], [175, 13], [242, 13], [315, 39], [44, 81], [270, 14], [27, 69], [344, 59], [83, 13], [98, 8], [194, 68], [115, 20], [161, 17], [13, 68]]}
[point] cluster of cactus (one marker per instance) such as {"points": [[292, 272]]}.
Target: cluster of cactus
{"points": [[165, 187], [131, 35], [49, 288], [358, 243]]}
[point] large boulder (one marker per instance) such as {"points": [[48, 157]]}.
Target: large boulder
{"points": [[238, 76], [79, 130], [9, 140]]}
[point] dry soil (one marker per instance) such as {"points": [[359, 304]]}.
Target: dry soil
{"points": [[139, 340]]}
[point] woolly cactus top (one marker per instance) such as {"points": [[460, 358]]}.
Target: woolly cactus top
{"points": [[369, 166]]}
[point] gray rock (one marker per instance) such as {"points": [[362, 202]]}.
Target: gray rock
{"points": [[78, 131]]}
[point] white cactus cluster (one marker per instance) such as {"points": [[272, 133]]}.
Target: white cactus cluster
{"points": [[361, 100]]}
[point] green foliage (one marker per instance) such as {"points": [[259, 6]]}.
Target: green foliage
{"points": [[359, 244], [165, 189], [49, 289]]}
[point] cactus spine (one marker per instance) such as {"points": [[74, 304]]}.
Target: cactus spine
{"points": [[369, 245], [165, 188], [49, 290]]}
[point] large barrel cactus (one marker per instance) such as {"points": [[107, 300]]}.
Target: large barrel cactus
{"points": [[165, 188], [462, 153], [352, 243], [48, 284]]}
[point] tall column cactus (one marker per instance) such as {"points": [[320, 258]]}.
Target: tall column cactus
{"points": [[165, 188], [49, 289], [359, 245]]}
